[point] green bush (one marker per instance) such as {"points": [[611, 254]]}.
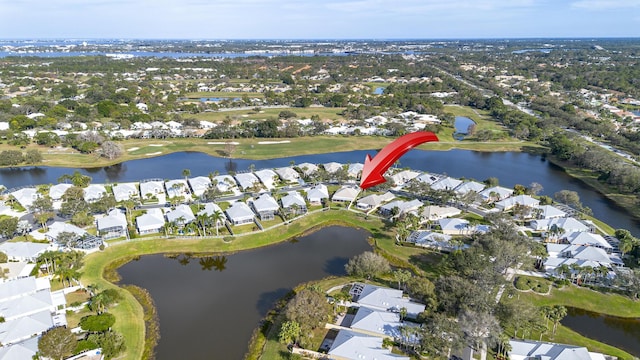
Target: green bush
{"points": [[522, 284]]}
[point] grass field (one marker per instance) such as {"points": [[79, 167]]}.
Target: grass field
{"points": [[325, 113]]}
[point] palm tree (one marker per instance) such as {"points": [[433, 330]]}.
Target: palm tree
{"points": [[558, 312], [216, 217], [186, 173], [563, 269]]}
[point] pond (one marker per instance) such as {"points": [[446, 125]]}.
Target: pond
{"points": [[462, 124], [623, 333], [509, 167], [209, 307]]}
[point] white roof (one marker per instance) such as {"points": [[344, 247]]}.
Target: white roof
{"points": [[25, 305], [528, 349], [353, 345], [428, 178], [374, 200], [376, 321], [56, 191], [25, 327], [454, 224], [293, 197], [511, 202], [265, 202], [266, 177], [24, 350], [446, 183], [568, 224], [383, 298], [22, 287], [550, 211], [287, 174], [355, 169], [94, 192], [502, 192], [579, 252], [199, 184], [181, 187], [433, 212], [210, 209], [224, 182], [246, 180], [468, 186], [23, 250], [403, 206], [25, 196], [151, 187], [124, 191], [115, 218], [332, 167], [346, 193], [307, 168], [403, 176], [152, 220], [239, 211], [183, 211], [57, 227], [317, 193], [588, 239]]}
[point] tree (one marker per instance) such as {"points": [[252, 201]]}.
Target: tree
{"points": [[367, 264], [111, 343], [73, 201], [568, 197], [111, 150], [289, 332], [308, 308], [535, 188], [557, 313], [3, 258], [103, 300], [401, 276], [479, 329], [11, 157], [77, 179], [186, 173], [32, 156], [97, 323], [57, 343], [8, 226]]}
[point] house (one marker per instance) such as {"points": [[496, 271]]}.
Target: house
{"points": [[59, 227], [563, 254], [433, 240], [373, 201], [534, 350], [94, 192], [446, 183], [354, 170], [403, 207], [21, 350], [307, 169], [177, 188], [204, 124], [113, 225], [428, 179], [495, 193], [267, 177], [224, 183], [181, 215], [433, 212], [25, 196], [24, 251], [246, 180], [589, 239], [356, 346], [152, 188], [199, 184], [568, 225], [240, 213], [26, 327], [26, 305], [455, 226], [376, 322], [287, 174], [150, 222], [550, 212], [174, 125], [346, 194], [265, 206], [384, 299], [332, 167], [403, 177], [56, 191], [511, 202], [125, 191], [210, 209], [317, 193], [468, 186], [294, 202]]}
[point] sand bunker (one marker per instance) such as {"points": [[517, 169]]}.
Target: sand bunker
{"points": [[156, 145], [133, 149], [155, 153], [273, 142], [222, 143]]}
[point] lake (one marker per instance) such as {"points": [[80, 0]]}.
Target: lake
{"points": [[623, 333], [509, 167], [211, 312], [462, 124]]}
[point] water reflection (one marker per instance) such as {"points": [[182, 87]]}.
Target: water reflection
{"points": [[623, 333], [217, 263]]}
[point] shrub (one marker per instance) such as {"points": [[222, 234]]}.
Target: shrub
{"points": [[522, 284]]}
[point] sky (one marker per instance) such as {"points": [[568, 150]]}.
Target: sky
{"points": [[317, 19]]}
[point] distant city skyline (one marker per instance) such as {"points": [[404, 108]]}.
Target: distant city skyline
{"points": [[318, 19]]}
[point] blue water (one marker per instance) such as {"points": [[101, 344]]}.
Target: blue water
{"points": [[461, 125], [378, 91], [218, 99]]}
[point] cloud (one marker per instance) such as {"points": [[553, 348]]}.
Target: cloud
{"points": [[605, 4]]}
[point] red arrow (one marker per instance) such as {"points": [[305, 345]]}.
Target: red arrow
{"points": [[376, 167]]}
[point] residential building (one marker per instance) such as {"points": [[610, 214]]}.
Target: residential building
{"points": [[199, 185], [332, 167], [536, 350], [522, 200], [56, 191], [59, 227], [94, 192], [404, 207], [125, 191], [24, 251], [25, 196], [446, 183], [317, 193], [307, 169], [267, 177], [434, 240], [377, 323], [113, 225], [346, 193], [403, 177], [384, 299], [246, 180], [150, 222], [354, 170], [589, 239], [224, 183], [152, 188], [177, 188], [550, 212], [288, 174], [468, 186], [181, 215], [240, 213], [567, 225], [294, 202], [434, 212], [495, 193], [265, 206], [356, 346], [374, 200]]}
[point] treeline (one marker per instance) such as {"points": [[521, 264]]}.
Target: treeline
{"points": [[16, 157]]}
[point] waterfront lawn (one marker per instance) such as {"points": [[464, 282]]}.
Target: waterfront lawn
{"points": [[265, 113], [583, 298], [564, 335]]}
